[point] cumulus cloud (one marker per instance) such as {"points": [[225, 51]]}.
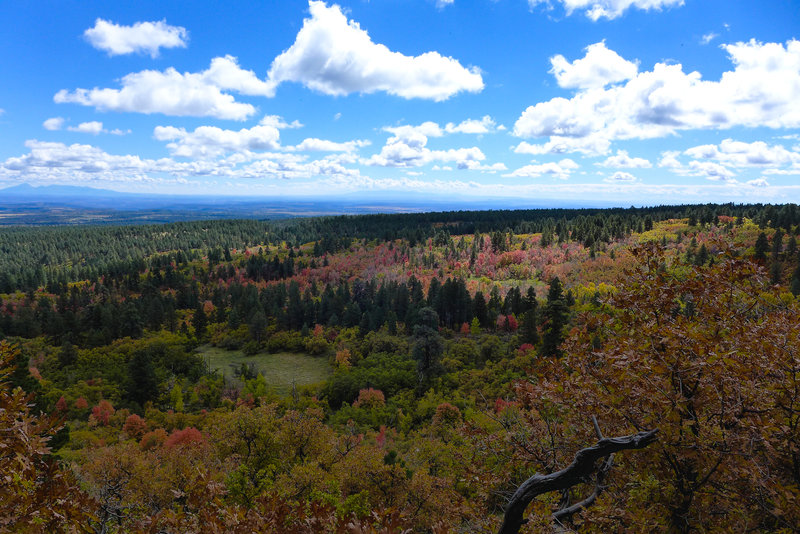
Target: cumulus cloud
{"points": [[46, 158], [707, 169], [759, 92], [412, 152], [335, 56], [142, 37], [740, 154], [620, 177], [313, 144], [758, 182], [711, 170], [721, 162], [276, 121], [48, 161], [92, 127], [210, 141], [54, 123], [433, 129], [472, 126], [589, 145], [408, 145], [561, 170], [170, 92], [598, 68], [623, 161], [609, 9], [444, 3]]}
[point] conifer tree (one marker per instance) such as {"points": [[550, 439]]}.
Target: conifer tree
{"points": [[761, 247], [555, 319], [200, 321]]}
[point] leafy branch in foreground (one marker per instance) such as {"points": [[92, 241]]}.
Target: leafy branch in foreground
{"points": [[36, 494]]}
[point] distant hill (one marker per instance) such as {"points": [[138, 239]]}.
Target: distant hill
{"points": [[25, 204]]}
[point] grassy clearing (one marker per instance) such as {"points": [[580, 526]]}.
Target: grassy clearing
{"points": [[280, 369]]}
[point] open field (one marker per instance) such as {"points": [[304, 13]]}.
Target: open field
{"points": [[280, 369]]}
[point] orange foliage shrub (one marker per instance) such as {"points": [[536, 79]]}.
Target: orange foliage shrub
{"points": [[446, 415], [153, 439], [370, 398], [101, 414], [186, 437], [135, 426]]}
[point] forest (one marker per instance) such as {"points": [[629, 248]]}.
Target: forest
{"points": [[603, 370]]}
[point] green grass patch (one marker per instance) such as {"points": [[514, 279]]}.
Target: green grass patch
{"points": [[281, 369]]}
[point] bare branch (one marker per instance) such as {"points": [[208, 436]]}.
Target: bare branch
{"points": [[581, 467]]}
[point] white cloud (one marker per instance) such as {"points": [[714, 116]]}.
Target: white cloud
{"points": [[276, 121], [142, 37], [623, 161], [758, 182], [717, 162], [92, 127], [335, 56], [210, 141], [432, 129], [561, 170], [609, 9], [669, 160], [444, 3], [313, 144], [58, 162], [426, 129], [709, 169], [760, 92], [53, 124], [620, 177], [598, 68], [172, 93], [413, 153], [472, 126], [707, 38], [740, 154], [47, 158], [408, 146], [491, 169], [589, 145]]}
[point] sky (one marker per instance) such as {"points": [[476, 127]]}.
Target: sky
{"points": [[617, 101]]}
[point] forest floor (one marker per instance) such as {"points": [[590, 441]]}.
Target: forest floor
{"points": [[280, 370]]}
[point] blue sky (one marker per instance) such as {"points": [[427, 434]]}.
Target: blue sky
{"points": [[622, 101]]}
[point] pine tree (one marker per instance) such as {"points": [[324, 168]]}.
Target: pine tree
{"points": [[761, 247], [428, 345], [555, 319], [67, 355], [142, 380], [200, 321], [529, 329]]}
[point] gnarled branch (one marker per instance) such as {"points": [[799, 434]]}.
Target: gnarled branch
{"points": [[581, 467]]}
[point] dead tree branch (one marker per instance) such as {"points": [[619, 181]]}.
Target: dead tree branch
{"points": [[582, 466]]}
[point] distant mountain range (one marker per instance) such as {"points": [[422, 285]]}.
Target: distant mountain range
{"points": [[67, 204]]}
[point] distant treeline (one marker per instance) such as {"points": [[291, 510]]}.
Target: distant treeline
{"points": [[35, 257]]}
